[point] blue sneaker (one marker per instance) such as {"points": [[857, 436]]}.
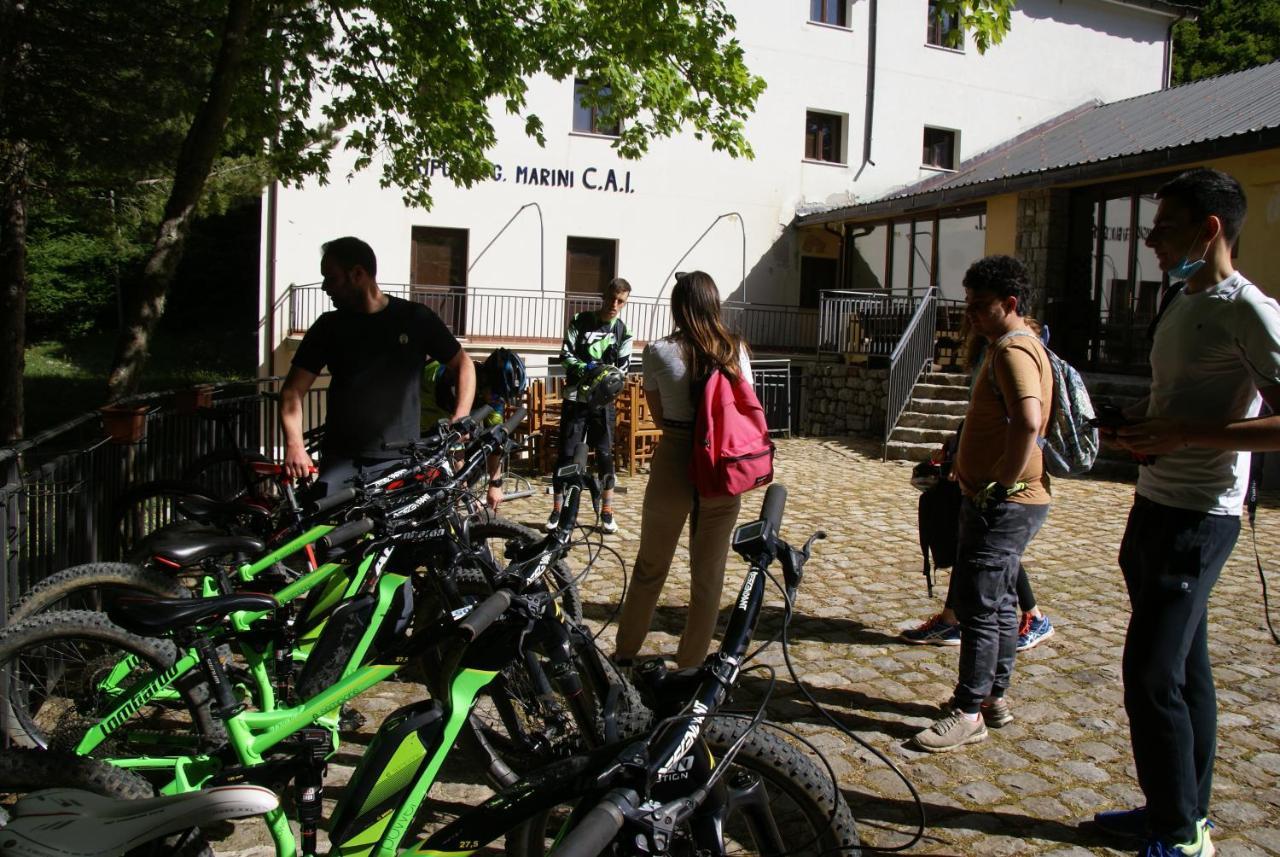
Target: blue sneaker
{"points": [[935, 632], [1033, 631], [1133, 823], [1201, 847]]}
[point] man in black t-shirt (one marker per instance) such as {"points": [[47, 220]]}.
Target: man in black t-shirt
{"points": [[374, 346]]}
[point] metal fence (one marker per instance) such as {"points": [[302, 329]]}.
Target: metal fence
{"points": [[522, 316], [863, 325], [775, 382], [59, 490], [911, 356]]}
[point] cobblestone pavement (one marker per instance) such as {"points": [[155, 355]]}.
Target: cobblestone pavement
{"points": [[1066, 755]]}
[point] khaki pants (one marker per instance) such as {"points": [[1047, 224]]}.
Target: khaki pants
{"points": [[668, 501]]}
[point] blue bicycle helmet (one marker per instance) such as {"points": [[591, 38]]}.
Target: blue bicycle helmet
{"points": [[504, 374]]}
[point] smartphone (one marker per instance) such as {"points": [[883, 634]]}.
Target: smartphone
{"points": [[1109, 417]]}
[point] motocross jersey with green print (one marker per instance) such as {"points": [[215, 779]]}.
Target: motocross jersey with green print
{"points": [[438, 397], [589, 340]]}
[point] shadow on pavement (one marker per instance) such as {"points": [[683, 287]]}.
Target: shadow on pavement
{"points": [[894, 819]]}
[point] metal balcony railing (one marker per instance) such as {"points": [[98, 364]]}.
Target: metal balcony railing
{"points": [[863, 326], [523, 316]]}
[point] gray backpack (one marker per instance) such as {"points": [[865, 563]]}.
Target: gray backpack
{"points": [[1070, 444]]}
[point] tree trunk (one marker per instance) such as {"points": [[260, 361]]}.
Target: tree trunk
{"points": [[13, 293], [13, 220], [144, 300]]}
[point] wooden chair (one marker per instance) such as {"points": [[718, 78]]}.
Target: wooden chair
{"points": [[544, 414], [636, 434]]}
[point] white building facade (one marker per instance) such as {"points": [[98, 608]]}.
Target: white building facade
{"points": [[862, 99]]}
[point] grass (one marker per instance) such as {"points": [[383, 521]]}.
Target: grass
{"points": [[66, 379]]}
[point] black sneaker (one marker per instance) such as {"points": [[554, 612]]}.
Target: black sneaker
{"points": [[553, 521], [607, 523]]}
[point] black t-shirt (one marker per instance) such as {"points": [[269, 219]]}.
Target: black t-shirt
{"points": [[375, 360]]}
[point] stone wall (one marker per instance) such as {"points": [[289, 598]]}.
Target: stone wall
{"points": [[843, 400], [1043, 225]]}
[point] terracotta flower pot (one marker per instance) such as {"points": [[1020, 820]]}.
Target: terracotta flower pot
{"points": [[187, 402], [124, 423]]}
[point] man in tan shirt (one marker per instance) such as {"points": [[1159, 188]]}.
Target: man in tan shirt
{"points": [[1006, 498]]}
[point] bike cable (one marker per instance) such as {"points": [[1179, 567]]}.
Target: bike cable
{"points": [[791, 670]]}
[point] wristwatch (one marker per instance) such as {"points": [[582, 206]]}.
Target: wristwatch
{"points": [[495, 483]]}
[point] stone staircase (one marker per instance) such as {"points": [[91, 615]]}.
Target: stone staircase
{"points": [[934, 413], [938, 404]]}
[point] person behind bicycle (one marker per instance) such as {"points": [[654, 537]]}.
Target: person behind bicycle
{"points": [[595, 339], [374, 346], [673, 368], [1006, 497], [500, 380]]}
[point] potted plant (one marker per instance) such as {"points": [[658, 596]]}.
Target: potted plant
{"points": [[124, 423], [187, 402]]}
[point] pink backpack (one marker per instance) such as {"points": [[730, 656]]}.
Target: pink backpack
{"points": [[732, 452]]}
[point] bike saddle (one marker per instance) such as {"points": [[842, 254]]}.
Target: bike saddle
{"points": [[76, 823], [156, 616], [209, 511], [182, 547]]}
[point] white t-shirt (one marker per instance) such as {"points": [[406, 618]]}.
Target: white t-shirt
{"points": [[1212, 352], [666, 371]]}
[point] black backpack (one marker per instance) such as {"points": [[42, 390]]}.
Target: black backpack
{"points": [[938, 515]]}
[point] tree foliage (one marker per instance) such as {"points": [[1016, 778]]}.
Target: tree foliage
{"points": [[1229, 35], [165, 105], [987, 20]]}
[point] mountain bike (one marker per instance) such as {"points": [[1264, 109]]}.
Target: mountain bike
{"points": [[704, 782], [140, 708], [60, 805]]}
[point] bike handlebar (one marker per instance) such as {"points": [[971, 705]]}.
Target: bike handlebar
{"points": [[345, 533], [598, 827], [775, 500], [332, 501], [484, 614], [515, 419]]}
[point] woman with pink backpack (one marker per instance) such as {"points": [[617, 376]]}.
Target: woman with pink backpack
{"points": [[674, 369]]}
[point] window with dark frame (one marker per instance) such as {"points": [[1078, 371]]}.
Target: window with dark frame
{"points": [[822, 137], [590, 264], [939, 148], [834, 12], [941, 27], [590, 120]]}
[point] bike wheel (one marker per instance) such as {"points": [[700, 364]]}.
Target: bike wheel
{"points": [[227, 475], [94, 586], [779, 802], [25, 771], [62, 673], [148, 506]]}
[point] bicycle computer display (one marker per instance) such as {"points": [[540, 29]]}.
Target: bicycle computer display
{"points": [[748, 533]]}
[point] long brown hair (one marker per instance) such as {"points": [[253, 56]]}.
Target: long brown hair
{"points": [[709, 345]]}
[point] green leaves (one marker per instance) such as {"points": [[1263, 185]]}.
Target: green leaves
{"points": [[988, 21], [1229, 35], [419, 81]]}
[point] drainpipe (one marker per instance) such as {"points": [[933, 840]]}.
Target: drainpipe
{"points": [[869, 120], [269, 277], [841, 234], [1168, 50]]}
